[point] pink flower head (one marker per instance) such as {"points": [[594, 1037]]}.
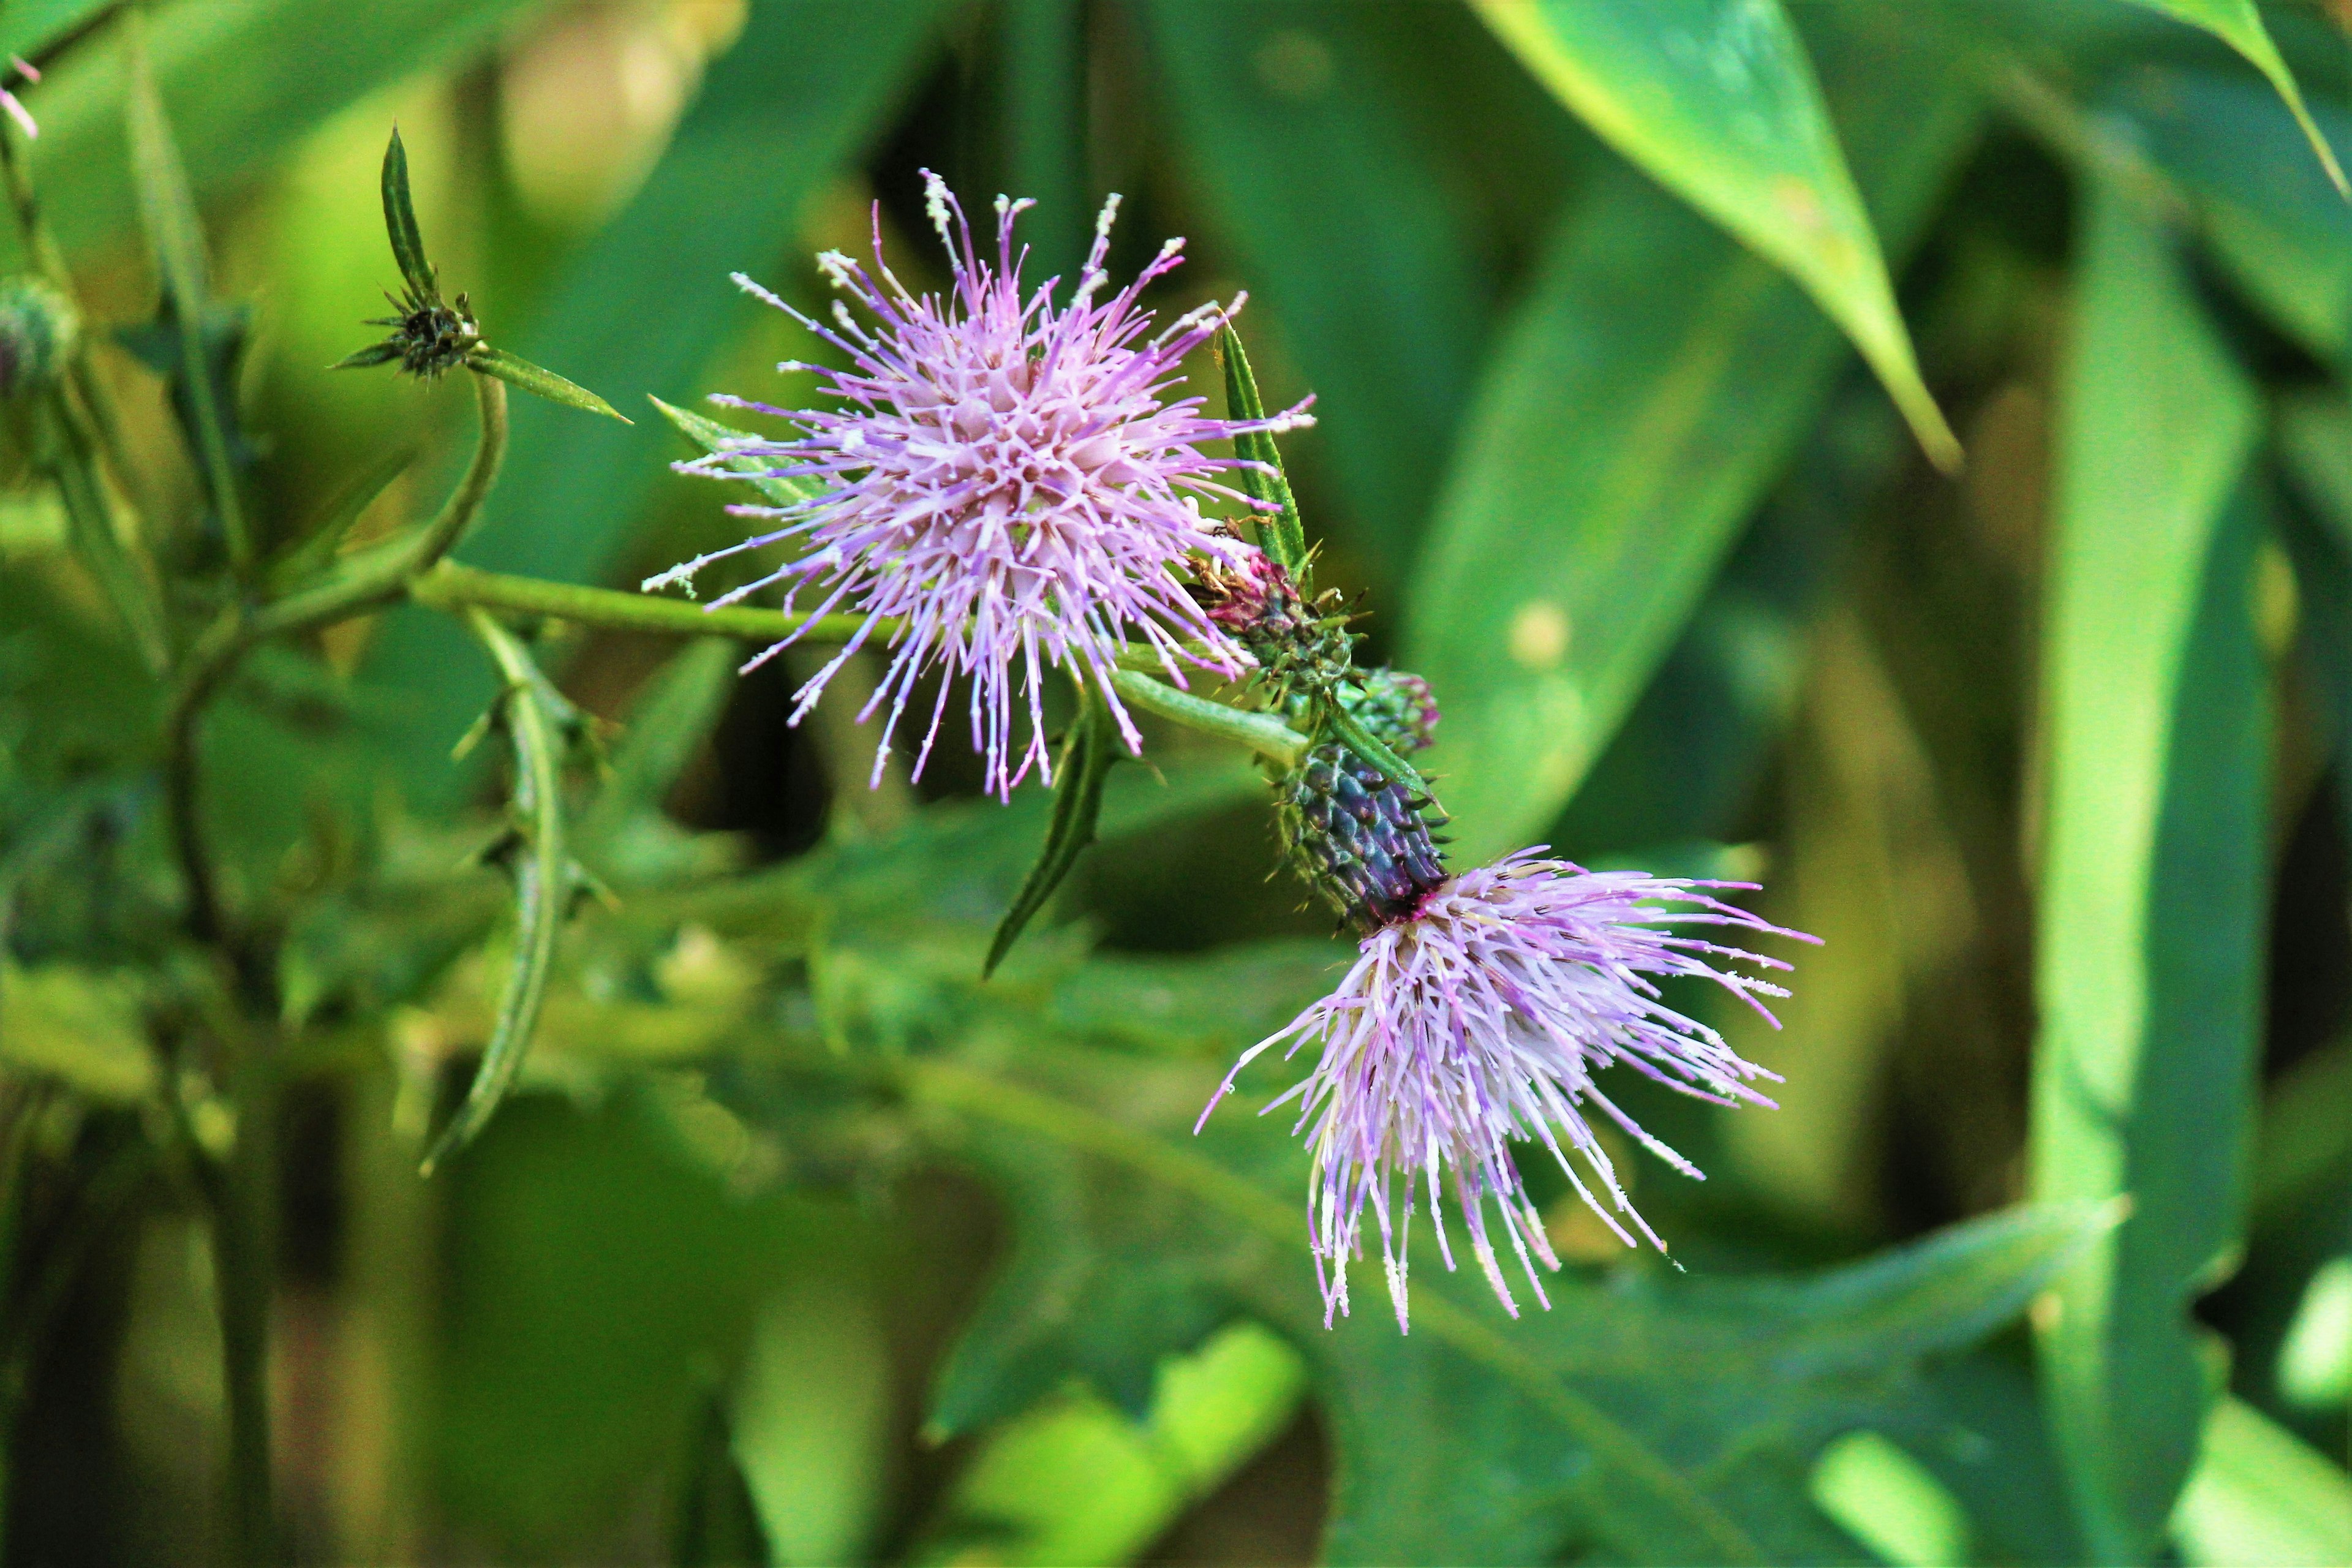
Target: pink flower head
{"points": [[1483, 1017], [9, 101], [1005, 483]]}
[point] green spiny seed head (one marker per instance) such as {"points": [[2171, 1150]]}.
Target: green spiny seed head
{"points": [[37, 329], [1398, 709], [1356, 836]]}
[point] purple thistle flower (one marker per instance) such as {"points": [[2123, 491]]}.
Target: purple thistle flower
{"points": [[1483, 1016], [1006, 479]]}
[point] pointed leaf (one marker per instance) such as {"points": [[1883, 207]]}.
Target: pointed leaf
{"points": [[2238, 24], [362, 359], [1280, 532], [2262, 204], [1656, 381], [542, 869], [2260, 1494], [539, 382], [783, 489], [169, 211], [400, 221], [1088, 755], [2148, 965], [1717, 101]]}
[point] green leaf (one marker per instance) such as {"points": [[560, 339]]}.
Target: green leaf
{"points": [[1088, 755], [1651, 388], [1281, 533], [539, 382], [2259, 1495], [237, 95], [168, 209], [646, 303], [2264, 207], [400, 221], [2306, 1133], [715, 438], [2149, 960], [1656, 1420], [1301, 124], [315, 548], [29, 27], [535, 720], [2238, 24], [1716, 100], [80, 1028]]}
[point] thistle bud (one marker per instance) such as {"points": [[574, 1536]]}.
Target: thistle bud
{"points": [[1357, 838], [38, 327], [1300, 647], [1398, 709]]}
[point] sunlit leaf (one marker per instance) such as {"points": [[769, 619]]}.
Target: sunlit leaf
{"points": [[1716, 99], [76, 1027], [539, 382], [2149, 966], [2238, 24], [2261, 1495], [1656, 381]]}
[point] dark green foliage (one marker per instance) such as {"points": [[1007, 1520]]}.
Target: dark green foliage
{"points": [[828, 1191]]}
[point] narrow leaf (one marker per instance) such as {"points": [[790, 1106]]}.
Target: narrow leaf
{"points": [[1090, 751], [543, 875], [666, 726], [1376, 751], [2148, 962], [400, 220], [362, 359], [168, 209], [539, 382], [1280, 532], [318, 543], [1386, 319], [2262, 1495], [1653, 387], [717, 438], [2238, 24], [1716, 100]]}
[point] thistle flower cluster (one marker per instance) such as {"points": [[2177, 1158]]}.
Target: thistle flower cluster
{"points": [[1006, 486], [1007, 482]]}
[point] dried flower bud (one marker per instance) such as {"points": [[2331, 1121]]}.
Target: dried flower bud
{"points": [[37, 327]]}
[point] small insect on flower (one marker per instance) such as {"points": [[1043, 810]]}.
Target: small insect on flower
{"points": [[1005, 484], [1483, 1016]]}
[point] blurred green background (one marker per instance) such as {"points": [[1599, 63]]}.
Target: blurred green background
{"points": [[1629, 322]]}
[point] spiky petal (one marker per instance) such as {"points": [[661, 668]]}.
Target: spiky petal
{"points": [[1483, 1017], [1005, 479]]}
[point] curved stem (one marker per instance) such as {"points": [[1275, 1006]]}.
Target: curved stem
{"points": [[366, 580], [1264, 733]]}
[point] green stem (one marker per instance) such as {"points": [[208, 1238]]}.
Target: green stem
{"points": [[244, 1233], [454, 588], [371, 578], [1261, 732]]}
